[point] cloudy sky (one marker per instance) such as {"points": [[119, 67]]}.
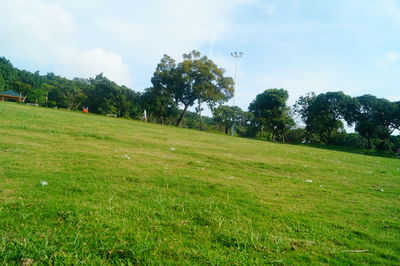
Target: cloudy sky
{"points": [[299, 45]]}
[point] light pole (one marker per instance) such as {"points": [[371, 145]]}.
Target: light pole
{"points": [[236, 55]]}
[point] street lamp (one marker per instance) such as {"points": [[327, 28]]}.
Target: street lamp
{"points": [[236, 55]]}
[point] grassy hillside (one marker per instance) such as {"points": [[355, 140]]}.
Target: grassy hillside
{"points": [[123, 191]]}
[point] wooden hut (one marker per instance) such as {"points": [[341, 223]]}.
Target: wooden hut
{"points": [[11, 95]]}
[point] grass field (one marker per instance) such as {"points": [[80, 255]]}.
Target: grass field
{"points": [[128, 192]]}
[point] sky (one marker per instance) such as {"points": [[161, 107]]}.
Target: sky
{"points": [[299, 45]]}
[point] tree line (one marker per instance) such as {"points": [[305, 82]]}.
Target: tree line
{"points": [[196, 81]]}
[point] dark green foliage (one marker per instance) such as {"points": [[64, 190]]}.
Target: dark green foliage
{"points": [[8, 73], [376, 119], [101, 95], [297, 135], [271, 112], [159, 104], [106, 97], [323, 113], [225, 116], [2, 83]]}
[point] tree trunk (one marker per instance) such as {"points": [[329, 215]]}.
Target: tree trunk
{"points": [[178, 123], [328, 138], [283, 136], [369, 143], [201, 119]]}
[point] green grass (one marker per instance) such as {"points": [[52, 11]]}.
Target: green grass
{"points": [[128, 192]]}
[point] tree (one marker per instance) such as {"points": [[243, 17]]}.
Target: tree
{"points": [[2, 83], [158, 104], [376, 118], [22, 88], [271, 112], [225, 116], [396, 116], [196, 79], [322, 114], [102, 95], [8, 72]]}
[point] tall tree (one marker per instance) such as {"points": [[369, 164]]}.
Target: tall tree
{"points": [[376, 118], [158, 104], [322, 114], [225, 116], [196, 79], [271, 112]]}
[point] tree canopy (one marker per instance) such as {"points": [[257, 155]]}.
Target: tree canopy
{"points": [[270, 110], [323, 113], [195, 79]]}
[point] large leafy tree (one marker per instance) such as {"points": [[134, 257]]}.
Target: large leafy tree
{"points": [[225, 116], [159, 104], [272, 113], [8, 73], [323, 114], [396, 116], [376, 118], [197, 79]]}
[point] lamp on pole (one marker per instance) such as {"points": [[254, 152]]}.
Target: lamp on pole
{"points": [[236, 55]]}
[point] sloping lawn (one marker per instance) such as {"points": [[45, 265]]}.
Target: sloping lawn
{"points": [[127, 192]]}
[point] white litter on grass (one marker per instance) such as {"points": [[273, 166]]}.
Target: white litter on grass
{"points": [[382, 190], [43, 183], [172, 149], [308, 181], [321, 186], [127, 156]]}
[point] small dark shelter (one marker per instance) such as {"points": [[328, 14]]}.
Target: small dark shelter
{"points": [[11, 95]]}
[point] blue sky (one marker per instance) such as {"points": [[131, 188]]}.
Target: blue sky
{"points": [[299, 45]]}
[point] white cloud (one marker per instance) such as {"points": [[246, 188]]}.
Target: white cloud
{"points": [[45, 34], [150, 29], [92, 62], [75, 38], [392, 57], [390, 60]]}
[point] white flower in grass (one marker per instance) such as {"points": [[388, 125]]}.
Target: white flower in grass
{"points": [[127, 156], [43, 183], [171, 149], [308, 181], [382, 190]]}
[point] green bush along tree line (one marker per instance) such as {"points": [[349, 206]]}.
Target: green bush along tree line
{"points": [[196, 82]]}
